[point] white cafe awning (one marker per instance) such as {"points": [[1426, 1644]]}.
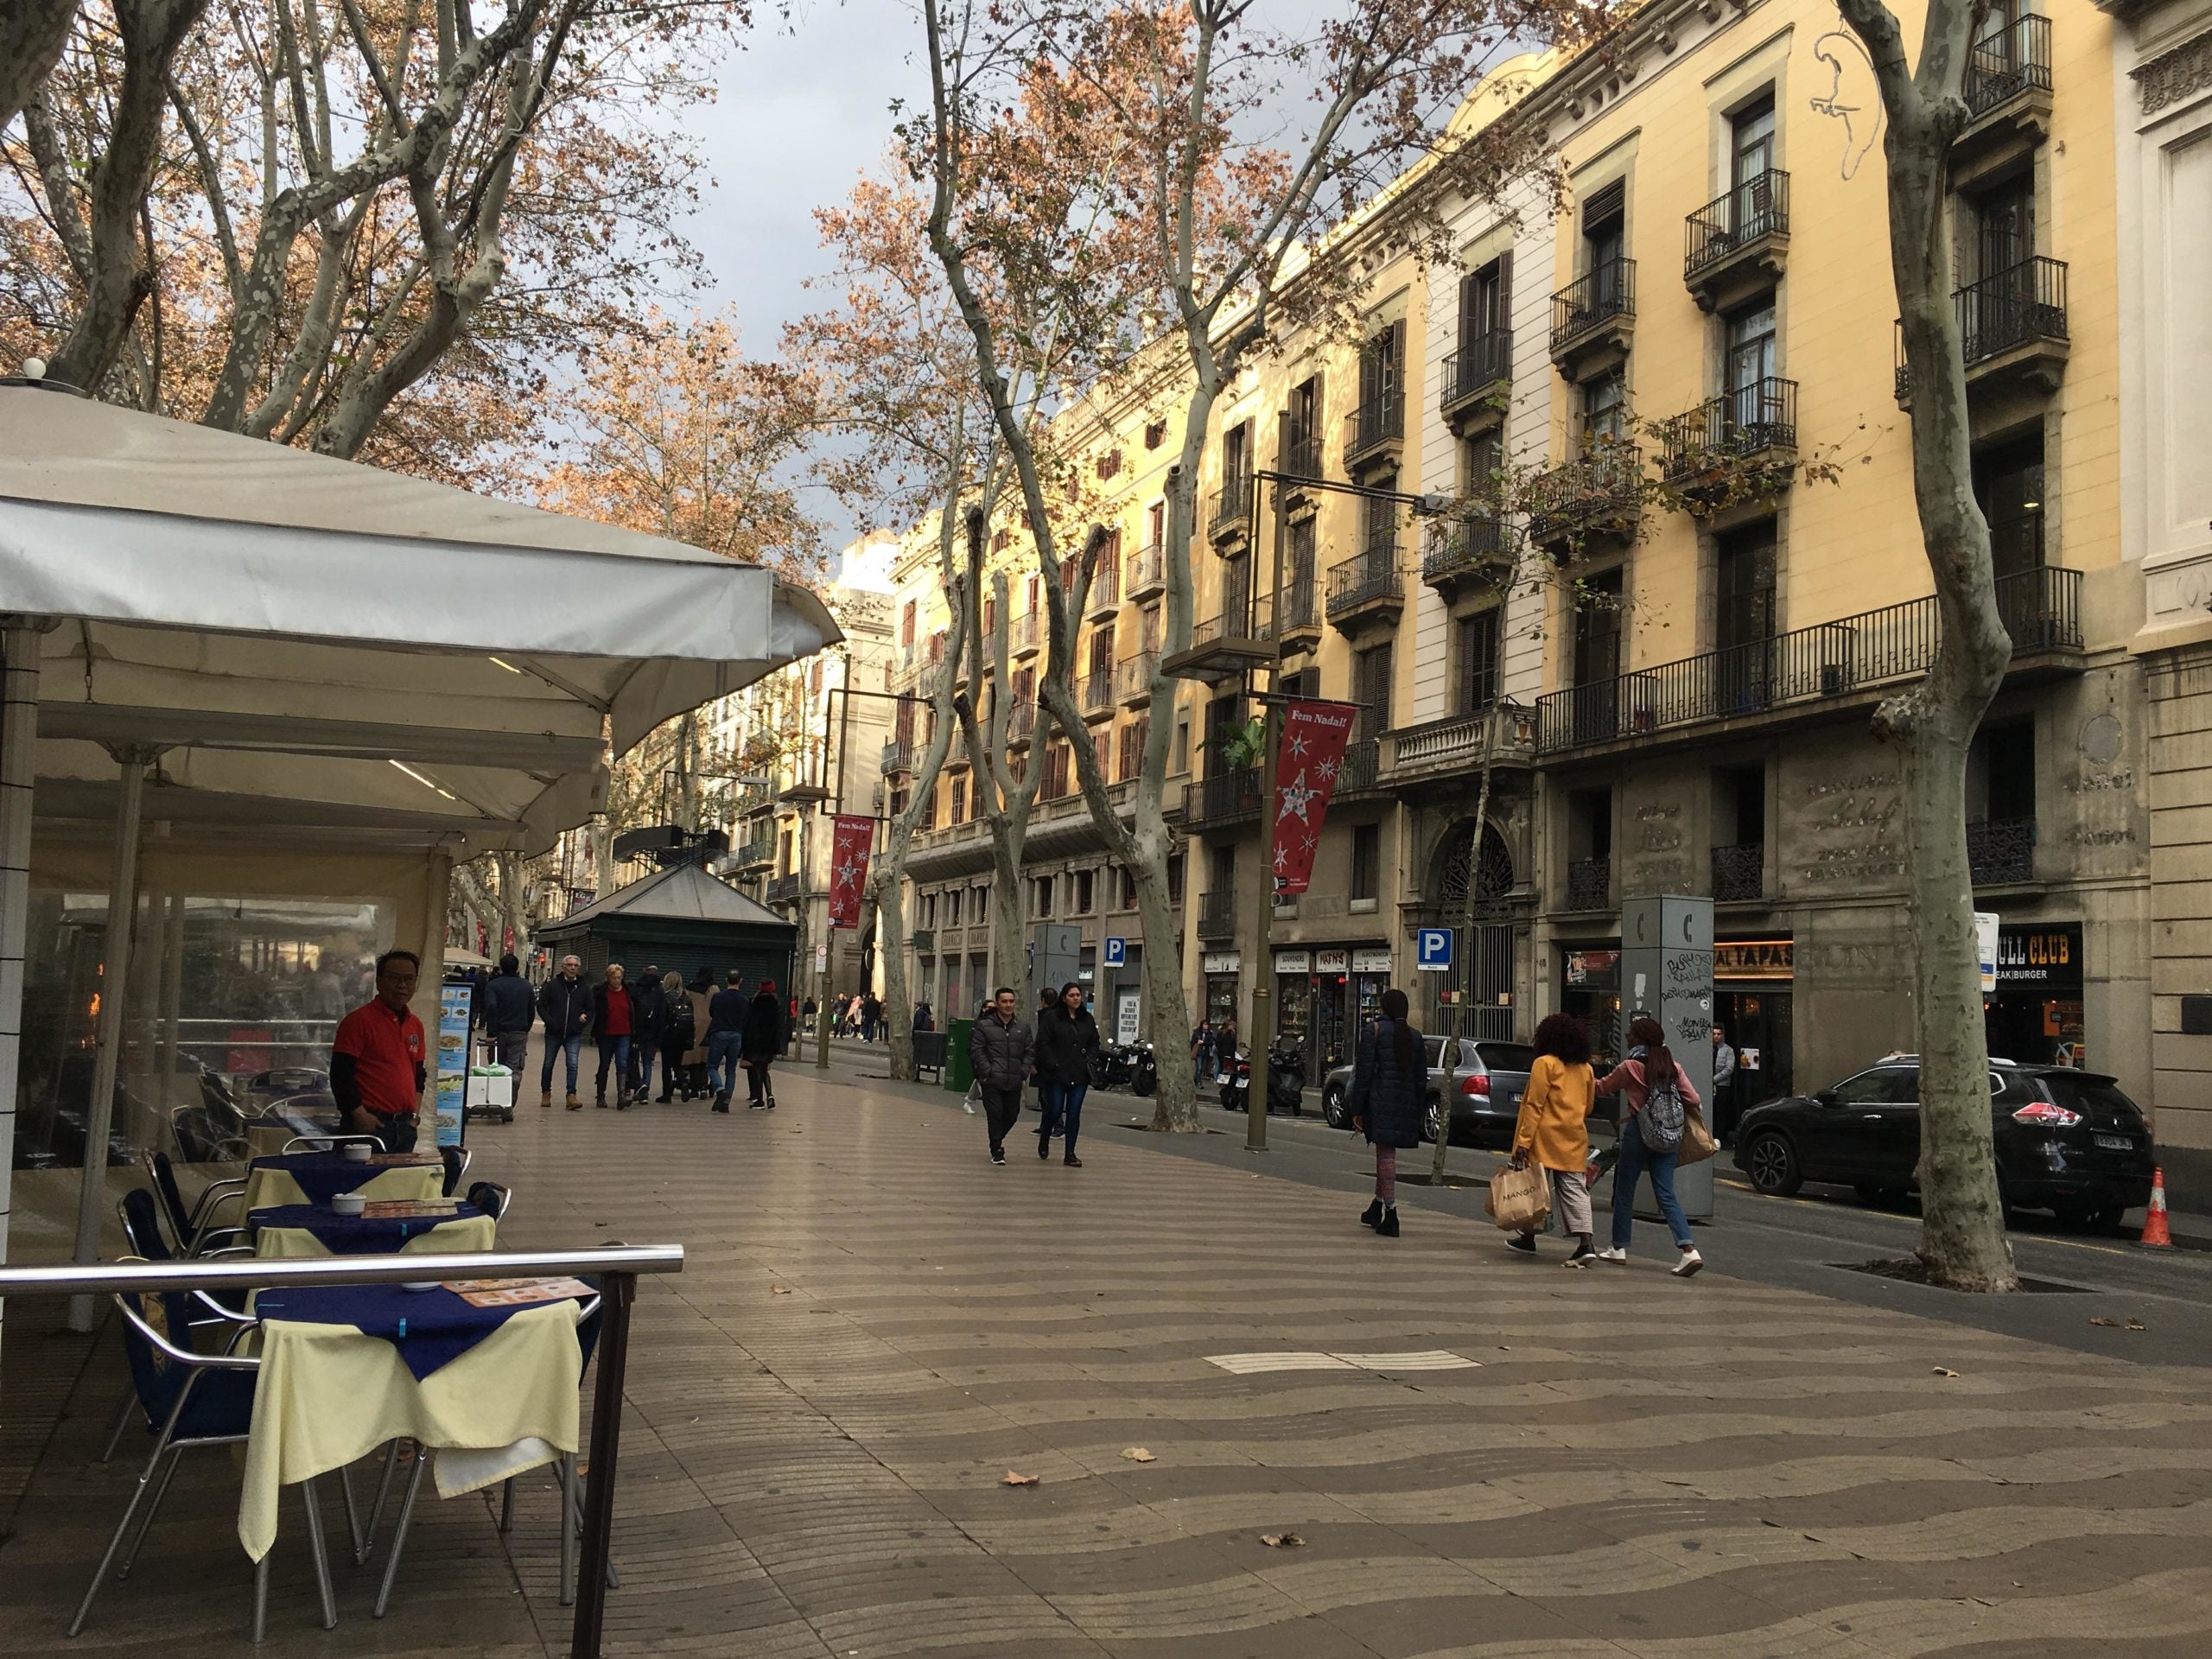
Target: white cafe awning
{"points": [[326, 651]]}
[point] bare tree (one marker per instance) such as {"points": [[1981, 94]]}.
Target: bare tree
{"points": [[1962, 1226]]}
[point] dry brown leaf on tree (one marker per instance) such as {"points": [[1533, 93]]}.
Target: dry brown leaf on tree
{"points": [[1013, 1479]]}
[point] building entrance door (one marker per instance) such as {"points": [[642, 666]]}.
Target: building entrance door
{"points": [[1757, 1022]]}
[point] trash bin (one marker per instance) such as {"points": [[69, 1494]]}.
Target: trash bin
{"points": [[959, 1075]]}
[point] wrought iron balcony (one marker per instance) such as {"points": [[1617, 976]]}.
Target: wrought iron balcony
{"points": [[1372, 428], [2010, 62], [783, 889], [1225, 644], [1747, 423], [2041, 611], [1301, 610], [1744, 231], [1133, 676], [1590, 883], [1225, 798], [1028, 634], [1361, 767], [1601, 493], [1738, 873], [751, 801], [1298, 452], [1232, 508], [2015, 318], [1482, 364], [1465, 544], [1604, 294], [1147, 572], [898, 756], [1367, 583], [1021, 721], [2001, 851], [1095, 693], [1105, 595], [1217, 915], [756, 851]]}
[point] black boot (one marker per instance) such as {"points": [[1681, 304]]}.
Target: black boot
{"points": [[1387, 1227], [1372, 1216]]}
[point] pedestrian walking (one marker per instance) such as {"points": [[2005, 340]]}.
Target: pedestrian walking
{"points": [[1000, 1048], [644, 1043], [679, 1031], [871, 1016], [1723, 1080], [806, 1012], [760, 1042], [726, 1038], [565, 1004], [1656, 1091], [1224, 1045], [1552, 1131], [1202, 1051], [1067, 1037], [509, 1012], [614, 1023], [1389, 1098]]}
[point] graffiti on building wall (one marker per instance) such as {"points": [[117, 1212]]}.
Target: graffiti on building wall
{"points": [[1852, 97]]}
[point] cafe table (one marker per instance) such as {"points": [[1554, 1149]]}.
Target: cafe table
{"points": [[387, 1227], [490, 1391], [317, 1177]]}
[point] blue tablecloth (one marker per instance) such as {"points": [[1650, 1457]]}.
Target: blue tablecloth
{"points": [[429, 1327], [322, 1175], [355, 1234]]}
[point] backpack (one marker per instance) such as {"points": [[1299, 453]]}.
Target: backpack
{"points": [[1662, 1120]]}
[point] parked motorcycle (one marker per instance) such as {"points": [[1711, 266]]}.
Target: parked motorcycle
{"points": [[1144, 1072], [1287, 1079], [1236, 1080]]}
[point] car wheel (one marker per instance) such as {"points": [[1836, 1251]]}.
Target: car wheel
{"points": [[1771, 1162], [1430, 1123], [1333, 1107]]}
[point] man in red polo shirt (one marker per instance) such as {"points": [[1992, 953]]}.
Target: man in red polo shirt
{"points": [[376, 1060]]}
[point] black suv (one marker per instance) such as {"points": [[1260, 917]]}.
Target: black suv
{"points": [[2067, 1141]]}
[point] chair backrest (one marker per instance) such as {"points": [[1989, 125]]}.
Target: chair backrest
{"points": [[492, 1198], [172, 1198], [142, 1228], [158, 1376], [455, 1160]]}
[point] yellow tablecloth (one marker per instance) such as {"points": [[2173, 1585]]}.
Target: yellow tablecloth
{"points": [[265, 1187], [462, 1233], [328, 1395]]}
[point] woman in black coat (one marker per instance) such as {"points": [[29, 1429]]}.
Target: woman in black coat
{"points": [[760, 1041], [1389, 1099], [1067, 1037]]}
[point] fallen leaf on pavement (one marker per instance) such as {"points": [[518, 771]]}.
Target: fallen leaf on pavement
{"points": [[1138, 1454], [1013, 1479], [1282, 1540], [2117, 1324], [1945, 1370], [779, 1290]]}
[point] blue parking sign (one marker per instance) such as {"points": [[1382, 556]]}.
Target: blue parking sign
{"points": [[1432, 949], [1117, 953]]}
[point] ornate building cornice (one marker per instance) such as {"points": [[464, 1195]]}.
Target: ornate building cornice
{"points": [[2172, 76]]}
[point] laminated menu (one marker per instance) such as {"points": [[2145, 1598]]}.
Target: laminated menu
{"points": [[402, 1159], [411, 1208], [517, 1293]]}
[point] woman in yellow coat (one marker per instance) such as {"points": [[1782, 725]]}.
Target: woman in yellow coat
{"points": [[1550, 1133]]}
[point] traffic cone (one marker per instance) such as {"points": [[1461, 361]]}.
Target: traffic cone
{"points": [[2154, 1224]]}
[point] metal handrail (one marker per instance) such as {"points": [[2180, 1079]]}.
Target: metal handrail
{"points": [[1756, 209], [2011, 59], [616, 1266], [1603, 292], [1480, 363]]}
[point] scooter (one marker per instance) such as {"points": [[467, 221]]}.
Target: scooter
{"points": [[1144, 1072], [1236, 1081], [1287, 1079]]}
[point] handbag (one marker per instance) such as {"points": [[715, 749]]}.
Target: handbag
{"points": [[1521, 1200], [1698, 1144]]}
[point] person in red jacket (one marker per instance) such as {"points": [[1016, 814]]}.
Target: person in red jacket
{"points": [[377, 1070]]}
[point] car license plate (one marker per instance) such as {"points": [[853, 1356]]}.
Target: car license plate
{"points": [[2117, 1142]]}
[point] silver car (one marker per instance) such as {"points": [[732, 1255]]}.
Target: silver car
{"points": [[1486, 1088]]}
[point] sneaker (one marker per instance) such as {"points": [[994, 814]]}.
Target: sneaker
{"points": [[998, 1155], [772, 1102], [1524, 1243], [1072, 1161], [1582, 1257], [1612, 1253], [1688, 1267], [1387, 1227], [756, 1106], [1372, 1216]]}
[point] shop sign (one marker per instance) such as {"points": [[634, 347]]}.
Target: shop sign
{"points": [[1593, 967], [1371, 961], [1294, 962], [1333, 962], [2044, 956], [1754, 958], [1221, 962]]}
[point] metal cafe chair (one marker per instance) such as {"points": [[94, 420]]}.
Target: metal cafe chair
{"points": [[141, 1232], [332, 1142], [493, 1198], [456, 1160], [188, 1222], [191, 1400]]}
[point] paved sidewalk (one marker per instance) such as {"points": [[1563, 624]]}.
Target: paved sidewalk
{"points": [[875, 1327]]}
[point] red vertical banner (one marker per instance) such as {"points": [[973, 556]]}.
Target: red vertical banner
{"points": [[1308, 758], [851, 840]]}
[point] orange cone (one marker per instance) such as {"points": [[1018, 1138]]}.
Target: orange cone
{"points": [[2154, 1224]]}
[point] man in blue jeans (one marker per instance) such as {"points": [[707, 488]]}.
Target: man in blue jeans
{"points": [[565, 1006], [726, 1038]]}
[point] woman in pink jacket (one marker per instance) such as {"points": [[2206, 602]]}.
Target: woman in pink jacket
{"points": [[1648, 1066]]}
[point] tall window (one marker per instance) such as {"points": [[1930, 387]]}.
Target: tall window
{"points": [[1605, 408], [1041, 896], [2008, 484], [1222, 862], [1175, 879], [1298, 539], [1085, 892], [1478, 464], [1750, 362], [1370, 682], [1366, 860], [952, 897], [1605, 240], [1102, 648], [1744, 616], [1149, 624], [1155, 523], [1483, 303], [1235, 456], [1382, 375], [907, 626], [1750, 145], [1598, 630], [1302, 430], [1478, 651]]}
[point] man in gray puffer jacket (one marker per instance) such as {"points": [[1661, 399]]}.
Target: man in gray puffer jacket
{"points": [[999, 1050]]}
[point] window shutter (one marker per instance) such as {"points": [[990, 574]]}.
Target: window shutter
{"points": [[1505, 289], [1608, 201]]}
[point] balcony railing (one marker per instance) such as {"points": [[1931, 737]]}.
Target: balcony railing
{"points": [[1302, 604], [1096, 692], [1366, 578], [756, 851], [1232, 506], [2009, 61], [1603, 488], [2041, 611], [1105, 593], [1754, 419], [1028, 634], [1605, 292], [1589, 884], [1738, 873], [1021, 721], [1463, 544], [1147, 571], [1132, 676], [783, 889], [1299, 454], [1372, 426], [2001, 850], [1240, 618], [1754, 210], [897, 755], [1480, 364], [2017, 306], [1225, 797], [1217, 915], [1361, 767]]}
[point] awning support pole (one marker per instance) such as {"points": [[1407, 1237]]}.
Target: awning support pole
{"points": [[115, 974], [19, 652]]}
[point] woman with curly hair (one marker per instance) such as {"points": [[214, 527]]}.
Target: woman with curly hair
{"points": [[1551, 1133]]}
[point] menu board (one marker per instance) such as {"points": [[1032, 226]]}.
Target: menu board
{"points": [[450, 1092]]}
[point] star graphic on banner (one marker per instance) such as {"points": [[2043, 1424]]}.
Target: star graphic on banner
{"points": [[1296, 797], [1328, 771], [1310, 842], [847, 873], [1298, 745], [1282, 855]]}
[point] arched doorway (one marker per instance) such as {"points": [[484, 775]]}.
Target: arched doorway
{"points": [[1482, 971]]}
